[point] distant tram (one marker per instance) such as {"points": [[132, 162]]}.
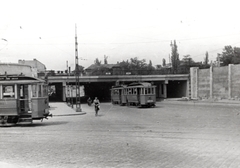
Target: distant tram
{"points": [[22, 99], [118, 95], [138, 94]]}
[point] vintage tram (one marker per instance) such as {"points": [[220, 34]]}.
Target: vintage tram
{"points": [[22, 99], [138, 94], [117, 95]]}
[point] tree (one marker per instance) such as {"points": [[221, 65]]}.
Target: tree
{"points": [[229, 55], [150, 63], [97, 62], [174, 57], [150, 67], [105, 59], [163, 62], [206, 59], [136, 65], [187, 60]]}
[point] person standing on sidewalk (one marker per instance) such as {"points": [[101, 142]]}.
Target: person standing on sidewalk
{"points": [[96, 103]]}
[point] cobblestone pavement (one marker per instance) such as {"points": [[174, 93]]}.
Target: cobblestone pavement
{"points": [[173, 134]]}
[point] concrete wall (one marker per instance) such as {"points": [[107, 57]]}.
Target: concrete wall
{"points": [[194, 82], [215, 82], [220, 82], [235, 81], [204, 83]]}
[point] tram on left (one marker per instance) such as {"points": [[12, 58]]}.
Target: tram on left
{"points": [[22, 100]]}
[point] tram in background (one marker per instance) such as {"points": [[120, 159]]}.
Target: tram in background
{"points": [[138, 94], [117, 95], [22, 100]]}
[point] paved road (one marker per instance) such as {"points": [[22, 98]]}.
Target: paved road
{"points": [[170, 135]]}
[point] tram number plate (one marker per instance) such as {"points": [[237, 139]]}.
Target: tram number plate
{"points": [[149, 101]]}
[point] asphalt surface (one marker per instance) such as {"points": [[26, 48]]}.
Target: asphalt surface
{"points": [[173, 134]]}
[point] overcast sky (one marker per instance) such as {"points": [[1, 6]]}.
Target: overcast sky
{"points": [[121, 30]]}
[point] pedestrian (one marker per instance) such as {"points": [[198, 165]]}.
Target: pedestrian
{"points": [[89, 101], [96, 105]]}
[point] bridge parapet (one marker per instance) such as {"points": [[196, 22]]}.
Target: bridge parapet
{"points": [[113, 78]]}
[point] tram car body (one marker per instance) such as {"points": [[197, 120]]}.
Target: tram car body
{"points": [[141, 94], [22, 100], [117, 95], [137, 94]]}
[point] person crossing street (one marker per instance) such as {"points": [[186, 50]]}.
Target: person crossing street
{"points": [[96, 103]]}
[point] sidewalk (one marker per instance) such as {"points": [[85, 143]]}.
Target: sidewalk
{"points": [[203, 102], [62, 109]]}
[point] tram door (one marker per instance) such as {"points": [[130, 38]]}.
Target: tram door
{"points": [[24, 98]]}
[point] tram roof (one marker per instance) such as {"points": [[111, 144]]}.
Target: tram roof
{"points": [[15, 79], [119, 87], [141, 84]]}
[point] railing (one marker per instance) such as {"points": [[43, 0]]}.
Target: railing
{"points": [[126, 72]]}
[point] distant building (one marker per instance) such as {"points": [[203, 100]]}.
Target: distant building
{"points": [[17, 69], [40, 67]]}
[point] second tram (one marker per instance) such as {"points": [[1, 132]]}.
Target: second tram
{"points": [[138, 94]]}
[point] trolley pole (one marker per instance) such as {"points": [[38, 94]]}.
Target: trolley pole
{"points": [[77, 74]]}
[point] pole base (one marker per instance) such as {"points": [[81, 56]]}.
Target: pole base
{"points": [[78, 109]]}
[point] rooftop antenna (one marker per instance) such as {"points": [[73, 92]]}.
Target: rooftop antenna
{"points": [[77, 74]]}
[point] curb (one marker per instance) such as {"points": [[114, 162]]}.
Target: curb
{"points": [[192, 102], [56, 115]]}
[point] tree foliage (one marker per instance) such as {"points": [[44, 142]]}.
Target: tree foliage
{"points": [[163, 62], [206, 59], [97, 62], [105, 59], [136, 64], [174, 57], [229, 55], [187, 60]]}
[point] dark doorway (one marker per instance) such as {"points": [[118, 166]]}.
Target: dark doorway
{"points": [[176, 89], [55, 92], [100, 90]]}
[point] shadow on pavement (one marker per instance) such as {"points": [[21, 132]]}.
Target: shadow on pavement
{"points": [[43, 124]]}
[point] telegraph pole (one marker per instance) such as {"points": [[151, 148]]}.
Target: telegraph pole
{"points": [[77, 74]]}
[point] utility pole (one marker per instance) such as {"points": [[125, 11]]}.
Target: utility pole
{"points": [[68, 87], [77, 74]]}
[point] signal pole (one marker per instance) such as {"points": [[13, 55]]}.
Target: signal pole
{"points": [[77, 74]]}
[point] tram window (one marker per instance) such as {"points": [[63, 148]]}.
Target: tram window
{"points": [[145, 90], [39, 90], [129, 91], [148, 90], [21, 91], [8, 91], [34, 90], [45, 91]]}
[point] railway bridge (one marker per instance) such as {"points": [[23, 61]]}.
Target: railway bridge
{"points": [[168, 86]]}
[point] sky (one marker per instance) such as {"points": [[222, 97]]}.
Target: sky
{"points": [[120, 29]]}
